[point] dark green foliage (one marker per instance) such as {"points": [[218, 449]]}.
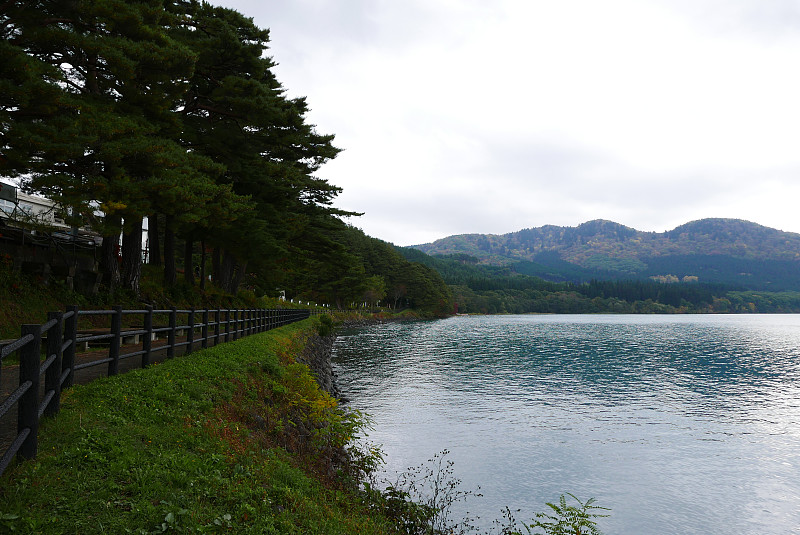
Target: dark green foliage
{"points": [[324, 325], [354, 269]]}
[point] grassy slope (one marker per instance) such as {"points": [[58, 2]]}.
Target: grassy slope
{"points": [[222, 441]]}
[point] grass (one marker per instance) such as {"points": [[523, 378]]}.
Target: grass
{"points": [[233, 439]]}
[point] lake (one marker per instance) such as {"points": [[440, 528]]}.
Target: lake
{"points": [[678, 424]]}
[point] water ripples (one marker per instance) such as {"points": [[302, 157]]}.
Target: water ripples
{"points": [[679, 424]]}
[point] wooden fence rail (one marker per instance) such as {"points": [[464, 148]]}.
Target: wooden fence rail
{"points": [[62, 337]]}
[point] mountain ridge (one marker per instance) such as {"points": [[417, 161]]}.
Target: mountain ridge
{"points": [[733, 251], [744, 238]]}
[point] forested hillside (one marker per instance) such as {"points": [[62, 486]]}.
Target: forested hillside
{"points": [[728, 251], [170, 113]]}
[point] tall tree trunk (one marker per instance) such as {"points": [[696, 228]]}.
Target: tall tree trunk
{"points": [[109, 262], [154, 241], [226, 271], [132, 256], [215, 266], [202, 264], [237, 280], [188, 265], [170, 275]]}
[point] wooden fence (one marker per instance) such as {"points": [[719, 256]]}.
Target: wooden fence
{"points": [[60, 337]]}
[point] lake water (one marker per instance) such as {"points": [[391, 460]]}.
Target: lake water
{"points": [[679, 424]]}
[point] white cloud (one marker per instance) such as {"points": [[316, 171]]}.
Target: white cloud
{"points": [[490, 116]]}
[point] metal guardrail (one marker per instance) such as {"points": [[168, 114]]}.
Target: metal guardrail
{"points": [[62, 338]]}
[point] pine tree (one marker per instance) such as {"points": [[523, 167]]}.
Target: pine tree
{"points": [[236, 112], [108, 142]]}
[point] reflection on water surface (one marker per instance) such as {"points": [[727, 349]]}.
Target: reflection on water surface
{"points": [[680, 424]]}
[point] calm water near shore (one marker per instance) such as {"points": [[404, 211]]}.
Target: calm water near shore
{"points": [[679, 424]]}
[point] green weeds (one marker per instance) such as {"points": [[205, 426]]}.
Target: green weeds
{"points": [[193, 445]]}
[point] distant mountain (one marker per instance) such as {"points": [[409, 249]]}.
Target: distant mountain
{"points": [[729, 251]]}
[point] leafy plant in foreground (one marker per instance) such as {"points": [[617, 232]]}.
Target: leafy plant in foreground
{"points": [[569, 519]]}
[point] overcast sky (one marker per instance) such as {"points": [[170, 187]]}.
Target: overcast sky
{"points": [[490, 116]]}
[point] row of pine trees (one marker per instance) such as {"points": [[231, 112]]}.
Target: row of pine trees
{"points": [[169, 111]]}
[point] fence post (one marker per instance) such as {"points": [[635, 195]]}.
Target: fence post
{"points": [[70, 333], [116, 329], [204, 330], [228, 325], [217, 319], [52, 379], [190, 332], [235, 325], [28, 405], [171, 333], [147, 342]]}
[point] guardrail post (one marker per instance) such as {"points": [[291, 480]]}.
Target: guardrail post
{"points": [[217, 319], [147, 342], [171, 333], [52, 379], [190, 332], [68, 359], [28, 405], [116, 330], [204, 330]]}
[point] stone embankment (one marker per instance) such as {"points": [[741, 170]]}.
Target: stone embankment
{"points": [[318, 350], [317, 356]]}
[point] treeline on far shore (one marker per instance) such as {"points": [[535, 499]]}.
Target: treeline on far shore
{"points": [[574, 299], [485, 289]]}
